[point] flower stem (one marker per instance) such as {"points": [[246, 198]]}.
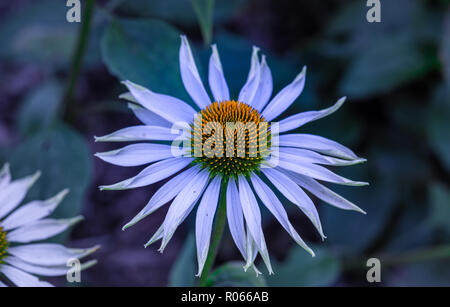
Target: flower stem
{"points": [[219, 227], [77, 60]]}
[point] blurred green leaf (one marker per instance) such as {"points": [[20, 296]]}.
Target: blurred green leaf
{"points": [[438, 126], [232, 274], [178, 11], [183, 271], [300, 269], [40, 108], [39, 33], [440, 207], [144, 52], [353, 232], [389, 63], [62, 156], [428, 274], [204, 9], [445, 48]]}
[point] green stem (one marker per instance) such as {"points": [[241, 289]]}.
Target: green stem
{"points": [[77, 60], [429, 254], [219, 227], [205, 18]]}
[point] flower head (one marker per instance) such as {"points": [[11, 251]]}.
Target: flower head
{"points": [[19, 258], [232, 148]]}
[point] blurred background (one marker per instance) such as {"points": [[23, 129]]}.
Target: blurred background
{"points": [[59, 86]]}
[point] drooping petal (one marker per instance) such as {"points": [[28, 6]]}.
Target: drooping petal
{"points": [[182, 205], [158, 235], [22, 279], [265, 87], [48, 254], [191, 78], [217, 81], [235, 217], [274, 205], [139, 133], [285, 97], [14, 193], [253, 218], [317, 172], [137, 154], [33, 211], [151, 174], [165, 194], [298, 120], [317, 143], [148, 117], [304, 155], [296, 195], [251, 250], [250, 87], [41, 230], [59, 270], [204, 220], [170, 108], [5, 176], [323, 192]]}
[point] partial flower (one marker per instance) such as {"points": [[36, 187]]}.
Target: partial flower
{"points": [[20, 259], [252, 166]]}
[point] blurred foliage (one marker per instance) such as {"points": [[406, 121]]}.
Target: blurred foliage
{"points": [[396, 75], [183, 271], [299, 269]]}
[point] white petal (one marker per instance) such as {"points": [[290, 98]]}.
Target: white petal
{"points": [[33, 211], [139, 133], [253, 218], [285, 98], [204, 220], [304, 155], [22, 279], [323, 192], [5, 176], [251, 250], [14, 193], [217, 81], [165, 194], [170, 108], [317, 143], [2, 285], [317, 172], [265, 87], [296, 195], [48, 254], [235, 217], [41, 230], [44, 270], [137, 154], [274, 205], [148, 117], [158, 235], [183, 204], [298, 120], [248, 91], [191, 78], [151, 174]]}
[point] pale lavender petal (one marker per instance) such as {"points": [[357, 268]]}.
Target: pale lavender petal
{"points": [[217, 81], [285, 97], [191, 78]]}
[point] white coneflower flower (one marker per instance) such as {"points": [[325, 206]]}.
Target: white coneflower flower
{"points": [[291, 162], [20, 259]]}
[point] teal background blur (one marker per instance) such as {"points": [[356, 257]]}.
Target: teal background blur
{"points": [[396, 75]]}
